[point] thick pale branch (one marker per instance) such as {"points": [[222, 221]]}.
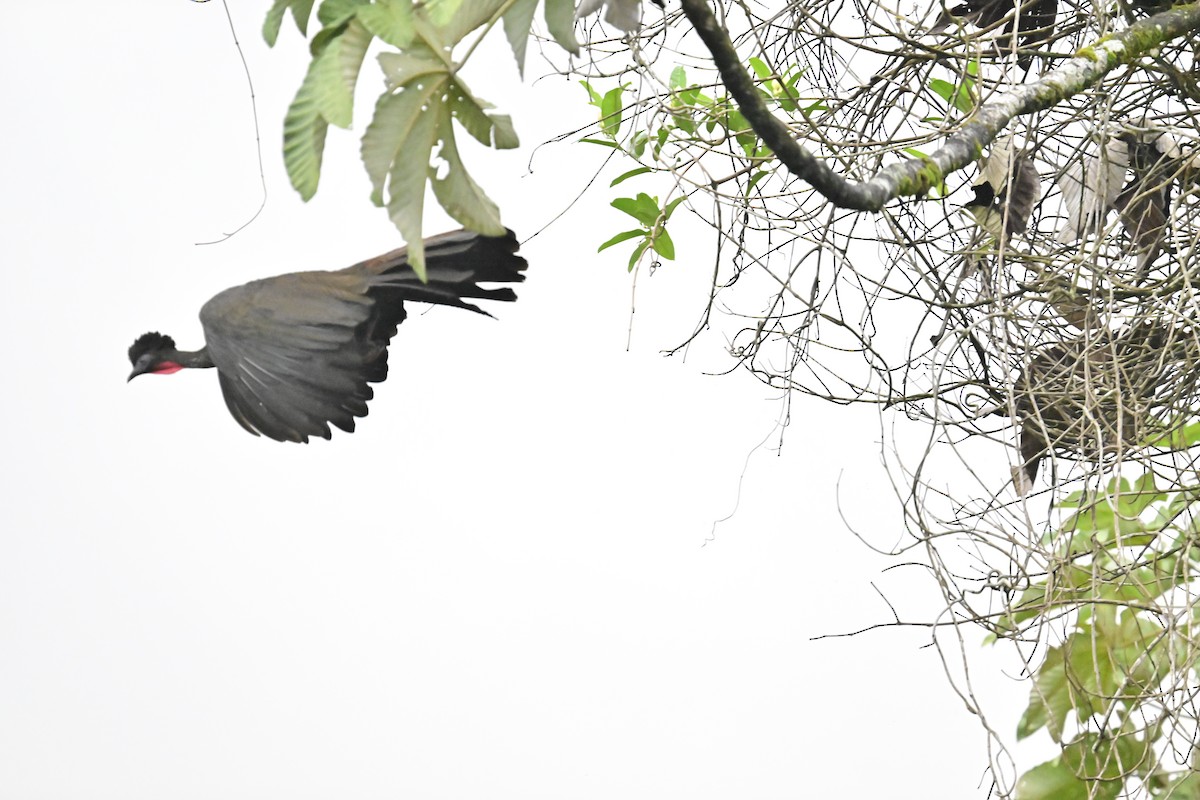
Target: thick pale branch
{"points": [[915, 177]]}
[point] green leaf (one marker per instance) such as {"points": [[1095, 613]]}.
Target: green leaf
{"points": [[610, 111], [643, 208], [659, 140], [1051, 781], [638, 144], [470, 112], [1105, 760], [406, 187], [454, 19], [441, 12], [396, 116], [600, 142], [274, 21], [560, 22], [518, 21], [671, 206], [678, 78], [459, 195], [332, 13], [304, 132], [1182, 786], [760, 68], [1175, 435], [663, 245], [629, 206], [637, 253], [401, 69], [963, 99], [1049, 698], [627, 175], [335, 74], [594, 97], [622, 237], [758, 176], [957, 96], [389, 20], [684, 123], [324, 37], [649, 208], [493, 130], [301, 11], [943, 89], [504, 135], [1074, 499], [1032, 720], [1191, 433]]}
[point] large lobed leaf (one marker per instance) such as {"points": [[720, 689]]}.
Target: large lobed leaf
{"points": [[301, 11], [413, 121], [413, 118], [406, 187], [456, 191], [518, 21], [304, 137], [325, 96]]}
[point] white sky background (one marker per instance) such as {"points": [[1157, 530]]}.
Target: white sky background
{"points": [[497, 587]]}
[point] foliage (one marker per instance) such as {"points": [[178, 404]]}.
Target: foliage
{"points": [[1122, 585], [1036, 315], [1058, 305], [692, 116], [411, 138]]}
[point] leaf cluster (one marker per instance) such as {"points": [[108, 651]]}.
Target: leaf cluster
{"points": [[411, 141], [1127, 562], [694, 118]]}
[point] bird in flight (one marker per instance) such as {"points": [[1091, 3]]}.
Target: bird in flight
{"points": [[296, 352]]}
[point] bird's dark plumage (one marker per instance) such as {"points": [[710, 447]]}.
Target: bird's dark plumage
{"points": [[148, 343], [296, 352], [1033, 20]]}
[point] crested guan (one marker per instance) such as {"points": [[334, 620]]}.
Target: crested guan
{"points": [[296, 352]]}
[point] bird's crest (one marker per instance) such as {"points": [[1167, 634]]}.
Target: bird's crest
{"points": [[148, 343]]}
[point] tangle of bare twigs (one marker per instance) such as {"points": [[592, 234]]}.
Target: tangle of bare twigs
{"points": [[1036, 317]]}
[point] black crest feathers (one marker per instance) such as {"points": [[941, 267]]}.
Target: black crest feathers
{"points": [[149, 342]]}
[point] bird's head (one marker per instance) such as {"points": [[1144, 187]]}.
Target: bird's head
{"points": [[154, 353]]}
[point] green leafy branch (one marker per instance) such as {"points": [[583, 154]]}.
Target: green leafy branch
{"points": [[1127, 560], [694, 117], [653, 226], [411, 139]]}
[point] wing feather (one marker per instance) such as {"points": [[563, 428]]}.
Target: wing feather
{"points": [[290, 353], [296, 352]]}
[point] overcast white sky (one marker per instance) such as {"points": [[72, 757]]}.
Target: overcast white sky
{"points": [[497, 587]]}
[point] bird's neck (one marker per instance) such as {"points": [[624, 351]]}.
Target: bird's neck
{"points": [[194, 359]]}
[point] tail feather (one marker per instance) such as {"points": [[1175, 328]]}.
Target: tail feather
{"points": [[455, 264]]}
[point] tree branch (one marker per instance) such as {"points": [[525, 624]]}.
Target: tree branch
{"points": [[915, 177]]}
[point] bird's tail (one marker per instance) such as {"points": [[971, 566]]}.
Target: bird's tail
{"points": [[455, 264]]}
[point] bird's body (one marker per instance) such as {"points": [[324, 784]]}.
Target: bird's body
{"points": [[297, 352]]}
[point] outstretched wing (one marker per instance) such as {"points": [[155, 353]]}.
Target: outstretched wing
{"points": [[292, 354], [297, 352]]}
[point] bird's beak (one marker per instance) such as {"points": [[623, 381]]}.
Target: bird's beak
{"points": [[136, 371]]}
